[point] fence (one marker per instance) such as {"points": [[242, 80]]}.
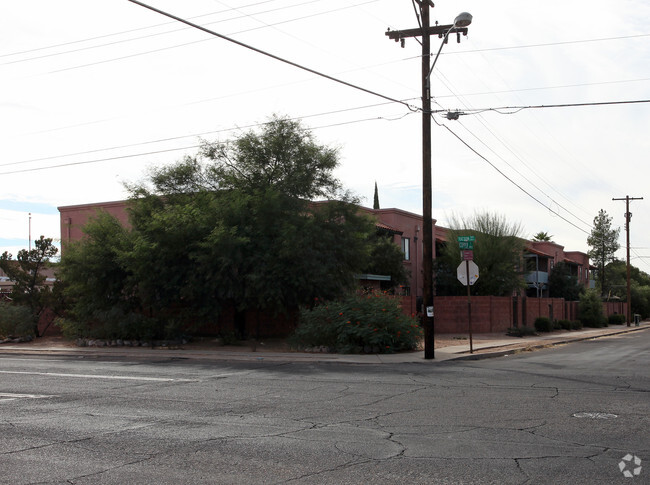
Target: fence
{"points": [[497, 314]]}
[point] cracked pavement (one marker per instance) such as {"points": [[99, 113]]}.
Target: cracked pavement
{"points": [[508, 420]]}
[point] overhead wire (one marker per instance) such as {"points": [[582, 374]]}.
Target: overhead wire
{"points": [[156, 152], [195, 135], [511, 150], [272, 56], [509, 179], [173, 31]]}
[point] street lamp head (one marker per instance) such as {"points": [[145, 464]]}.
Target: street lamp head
{"points": [[463, 20]]}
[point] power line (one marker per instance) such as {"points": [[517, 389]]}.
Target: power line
{"points": [[133, 155], [152, 35], [517, 109], [212, 132], [512, 181], [272, 56]]}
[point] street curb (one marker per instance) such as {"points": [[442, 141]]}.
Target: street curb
{"points": [[525, 348], [308, 358]]}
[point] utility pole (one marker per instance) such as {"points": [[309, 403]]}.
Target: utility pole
{"points": [[427, 219], [628, 216]]}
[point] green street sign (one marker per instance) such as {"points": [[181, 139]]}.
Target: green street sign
{"points": [[466, 242]]}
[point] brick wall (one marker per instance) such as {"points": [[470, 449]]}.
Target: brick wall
{"points": [[496, 314]]}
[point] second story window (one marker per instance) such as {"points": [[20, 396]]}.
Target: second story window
{"points": [[406, 248]]}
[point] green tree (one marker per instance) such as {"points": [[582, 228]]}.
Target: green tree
{"points": [[590, 310], [562, 284], [234, 227], [386, 258], [542, 236], [639, 286], [497, 252], [375, 202], [26, 272], [603, 241]]}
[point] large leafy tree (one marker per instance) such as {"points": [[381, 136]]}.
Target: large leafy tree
{"points": [[236, 227], [562, 284], [497, 252], [26, 272], [603, 241]]}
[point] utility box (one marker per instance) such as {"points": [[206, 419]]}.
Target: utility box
{"points": [[637, 319]]}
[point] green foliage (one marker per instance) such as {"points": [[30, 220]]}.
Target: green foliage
{"points": [[562, 284], [72, 329], [497, 251], [386, 258], [590, 310], [576, 325], [542, 236], [639, 286], [565, 324], [523, 331], [231, 228], [616, 319], [603, 241], [543, 324], [359, 323], [16, 320], [26, 272]]}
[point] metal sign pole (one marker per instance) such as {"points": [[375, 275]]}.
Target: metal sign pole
{"points": [[469, 308]]}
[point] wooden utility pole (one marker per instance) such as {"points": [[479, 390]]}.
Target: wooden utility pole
{"points": [[427, 220], [628, 216]]}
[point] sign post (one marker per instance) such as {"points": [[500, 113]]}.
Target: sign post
{"points": [[467, 273]]}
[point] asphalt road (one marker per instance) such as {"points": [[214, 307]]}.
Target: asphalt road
{"points": [[568, 414]]}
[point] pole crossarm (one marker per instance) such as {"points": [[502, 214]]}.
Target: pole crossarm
{"points": [[439, 30]]}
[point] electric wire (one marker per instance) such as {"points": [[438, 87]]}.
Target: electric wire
{"points": [[273, 56], [195, 135], [179, 30], [507, 146], [511, 180], [156, 152]]}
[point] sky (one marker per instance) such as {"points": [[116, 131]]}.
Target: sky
{"points": [[95, 94]]}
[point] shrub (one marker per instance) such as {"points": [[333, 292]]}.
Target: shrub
{"points": [[16, 321], [71, 329], [616, 319], [576, 325], [358, 323], [521, 331], [590, 310], [564, 324], [543, 324]]}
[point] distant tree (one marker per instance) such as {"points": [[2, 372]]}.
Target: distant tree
{"points": [[639, 286], [375, 204], [603, 241], [26, 272], [562, 284], [497, 252], [542, 236]]}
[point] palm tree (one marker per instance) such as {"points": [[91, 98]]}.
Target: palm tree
{"points": [[542, 236]]}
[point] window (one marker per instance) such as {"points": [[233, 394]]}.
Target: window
{"points": [[406, 248]]}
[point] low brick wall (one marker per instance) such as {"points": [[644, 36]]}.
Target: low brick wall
{"points": [[496, 314]]}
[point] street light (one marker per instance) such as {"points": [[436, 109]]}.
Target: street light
{"points": [[459, 26]]}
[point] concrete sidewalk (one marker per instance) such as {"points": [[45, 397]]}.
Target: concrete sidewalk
{"points": [[484, 346]]}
